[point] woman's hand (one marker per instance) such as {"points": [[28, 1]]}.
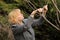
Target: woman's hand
{"points": [[43, 10], [40, 10], [33, 13]]}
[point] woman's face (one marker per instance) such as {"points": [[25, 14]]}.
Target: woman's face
{"points": [[20, 17]]}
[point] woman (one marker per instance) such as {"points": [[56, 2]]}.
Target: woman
{"points": [[22, 28]]}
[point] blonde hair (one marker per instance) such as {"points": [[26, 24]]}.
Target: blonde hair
{"points": [[12, 15]]}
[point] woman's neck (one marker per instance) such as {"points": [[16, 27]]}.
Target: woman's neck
{"points": [[20, 22]]}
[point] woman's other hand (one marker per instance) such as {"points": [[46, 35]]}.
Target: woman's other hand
{"points": [[43, 10]]}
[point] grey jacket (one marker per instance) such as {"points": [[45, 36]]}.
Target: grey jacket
{"points": [[25, 31]]}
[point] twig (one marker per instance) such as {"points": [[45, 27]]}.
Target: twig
{"points": [[30, 4], [50, 23], [56, 6], [57, 12], [56, 23], [58, 17]]}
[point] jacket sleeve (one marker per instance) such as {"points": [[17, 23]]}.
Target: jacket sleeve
{"points": [[37, 22], [28, 22], [34, 22]]}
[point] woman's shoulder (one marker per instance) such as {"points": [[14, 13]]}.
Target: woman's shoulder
{"points": [[25, 20]]}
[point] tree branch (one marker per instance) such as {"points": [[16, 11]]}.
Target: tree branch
{"points": [[58, 17], [56, 6], [30, 4], [50, 23], [54, 2], [56, 23]]}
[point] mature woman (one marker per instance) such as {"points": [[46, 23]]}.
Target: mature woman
{"points": [[22, 28]]}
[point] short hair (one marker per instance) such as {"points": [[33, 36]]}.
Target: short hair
{"points": [[12, 15]]}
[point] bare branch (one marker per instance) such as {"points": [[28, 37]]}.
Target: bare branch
{"points": [[56, 6], [56, 23], [30, 4], [50, 23], [58, 17], [57, 12]]}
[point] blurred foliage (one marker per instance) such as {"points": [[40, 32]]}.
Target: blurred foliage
{"points": [[45, 31], [5, 32]]}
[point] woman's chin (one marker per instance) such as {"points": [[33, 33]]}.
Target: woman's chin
{"points": [[21, 19]]}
